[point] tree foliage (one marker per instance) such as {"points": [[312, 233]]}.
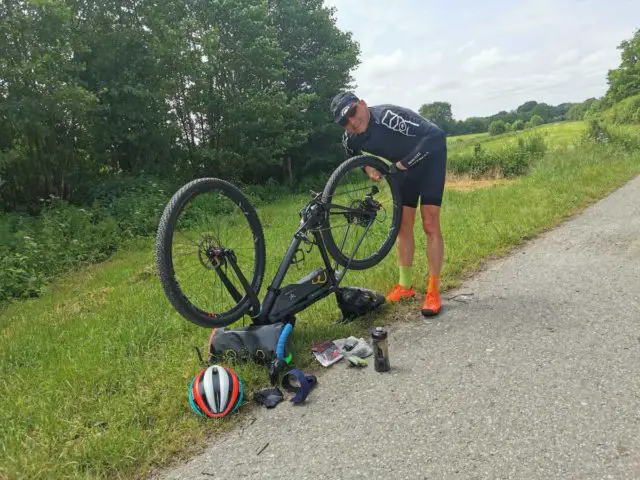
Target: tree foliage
{"points": [[624, 81], [534, 121], [231, 88], [439, 113], [497, 127], [517, 125], [578, 110]]}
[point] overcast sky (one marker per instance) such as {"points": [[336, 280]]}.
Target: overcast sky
{"points": [[483, 57]]}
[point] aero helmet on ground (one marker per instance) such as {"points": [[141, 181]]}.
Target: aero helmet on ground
{"points": [[216, 392]]}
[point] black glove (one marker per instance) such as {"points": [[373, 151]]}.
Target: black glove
{"points": [[276, 367], [269, 397]]}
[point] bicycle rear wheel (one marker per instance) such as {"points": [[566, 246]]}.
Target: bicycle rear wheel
{"points": [[206, 225], [363, 216]]}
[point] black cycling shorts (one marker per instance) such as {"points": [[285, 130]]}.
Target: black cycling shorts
{"points": [[425, 182]]}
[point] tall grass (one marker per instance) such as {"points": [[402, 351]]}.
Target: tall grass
{"points": [[555, 135], [626, 111], [93, 375], [508, 161], [35, 249]]}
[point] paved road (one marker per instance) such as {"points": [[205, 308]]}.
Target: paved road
{"points": [[533, 371]]}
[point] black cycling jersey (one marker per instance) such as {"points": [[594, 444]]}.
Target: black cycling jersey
{"points": [[396, 134]]}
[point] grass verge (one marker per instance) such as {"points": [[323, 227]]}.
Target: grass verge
{"points": [[557, 135], [93, 375]]}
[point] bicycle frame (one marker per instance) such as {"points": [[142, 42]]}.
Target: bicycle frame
{"points": [[282, 303]]}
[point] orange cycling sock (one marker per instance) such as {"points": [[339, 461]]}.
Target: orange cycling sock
{"points": [[434, 284]]}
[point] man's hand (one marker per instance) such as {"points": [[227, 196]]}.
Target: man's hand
{"points": [[374, 174], [400, 166]]}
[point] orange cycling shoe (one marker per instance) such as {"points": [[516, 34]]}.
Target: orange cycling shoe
{"points": [[398, 293], [431, 305]]}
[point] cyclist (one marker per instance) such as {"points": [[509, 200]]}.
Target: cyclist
{"points": [[418, 148]]}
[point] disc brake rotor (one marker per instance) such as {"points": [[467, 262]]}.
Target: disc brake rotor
{"points": [[210, 253]]}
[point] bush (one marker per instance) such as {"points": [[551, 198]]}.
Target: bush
{"points": [[61, 238], [596, 131], [139, 209], [624, 112], [518, 125], [625, 137], [534, 121], [262, 194], [518, 160], [508, 161], [497, 127]]}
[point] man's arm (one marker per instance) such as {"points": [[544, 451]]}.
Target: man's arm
{"points": [[417, 154], [351, 148]]}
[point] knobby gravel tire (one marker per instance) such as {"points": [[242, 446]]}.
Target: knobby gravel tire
{"points": [[164, 259]]}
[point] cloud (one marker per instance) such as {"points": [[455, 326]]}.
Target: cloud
{"points": [[397, 69], [386, 64], [464, 47], [567, 57], [492, 57], [595, 58], [483, 59]]}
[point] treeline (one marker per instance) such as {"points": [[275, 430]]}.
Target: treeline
{"points": [[529, 114], [624, 82], [96, 90]]}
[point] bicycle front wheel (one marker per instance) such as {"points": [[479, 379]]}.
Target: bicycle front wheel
{"points": [[207, 225], [363, 216]]}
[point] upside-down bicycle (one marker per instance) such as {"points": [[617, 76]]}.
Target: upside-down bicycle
{"points": [[210, 245]]}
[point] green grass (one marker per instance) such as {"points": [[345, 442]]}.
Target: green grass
{"points": [[559, 135], [94, 374], [465, 139], [626, 111]]}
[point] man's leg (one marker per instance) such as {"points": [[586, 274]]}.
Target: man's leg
{"points": [[435, 255], [405, 246], [405, 241], [435, 242], [430, 202]]}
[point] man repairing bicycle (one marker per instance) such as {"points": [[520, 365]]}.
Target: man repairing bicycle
{"points": [[418, 148]]}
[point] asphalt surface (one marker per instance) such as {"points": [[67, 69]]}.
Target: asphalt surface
{"points": [[532, 370]]}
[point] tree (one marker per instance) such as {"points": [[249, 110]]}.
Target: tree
{"points": [[44, 108], [318, 64], [232, 88], [476, 124], [578, 110], [497, 127], [517, 125], [439, 113], [506, 117], [624, 81], [560, 111], [535, 121], [544, 111], [133, 130], [524, 110]]}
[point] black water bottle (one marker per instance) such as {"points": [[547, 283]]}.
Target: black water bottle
{"points": [[380, 349]]}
